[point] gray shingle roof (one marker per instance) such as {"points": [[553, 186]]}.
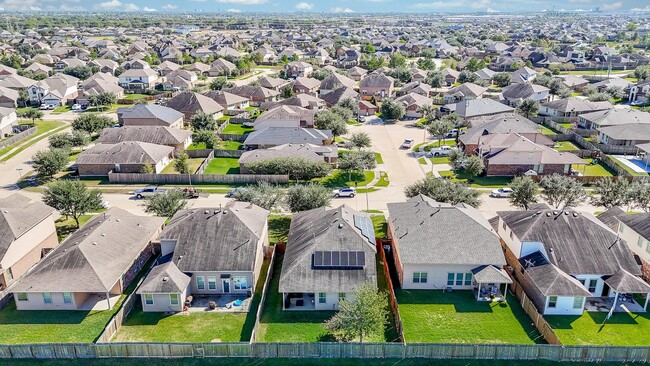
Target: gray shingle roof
{"points": [[428, 233], [159, 135], [624, 282], [164, 278], [640, 223], [190, 102], [127, 152], [287, 135], [490, 274], [148, 111]]}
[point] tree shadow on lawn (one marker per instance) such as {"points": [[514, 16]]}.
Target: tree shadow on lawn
{"points": [[10, 315], [341, 179], [616, 318]]}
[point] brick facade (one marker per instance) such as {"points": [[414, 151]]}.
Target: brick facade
{"points": [[513, 170]]}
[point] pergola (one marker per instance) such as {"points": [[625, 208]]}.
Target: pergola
{"points": [[623, 282], [489, 274]]}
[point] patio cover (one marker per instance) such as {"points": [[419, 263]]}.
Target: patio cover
{"points": [[490, 274], [623, 282]]}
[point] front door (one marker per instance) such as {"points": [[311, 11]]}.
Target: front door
{"points": [[226, 286]]}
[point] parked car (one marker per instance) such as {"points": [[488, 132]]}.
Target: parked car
{"points": [[453, 133], [76, 107], [233, 191], [191, 192], [362, 119], [106, 204], [440, 151], [501, 193], [407, 144], [148, 191], [46, 107], [345, 192]]}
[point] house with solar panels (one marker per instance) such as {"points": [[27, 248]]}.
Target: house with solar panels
{"points": [[330, 253]]}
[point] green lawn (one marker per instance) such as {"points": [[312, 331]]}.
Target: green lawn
{"points": [[476, 182], [627, 168], [52, 326], [622, 329], [222, 166], [194, 164], [135, 96], [378, 158], [383, 180], [62, 109], [66, 227], [440, 160], [547, 131], [598, 170], [381, 228], [338, 179], [230, 145], [43, 130], [236, 129], [422, 160], [432, 316], [566, 146], [279, 228]]}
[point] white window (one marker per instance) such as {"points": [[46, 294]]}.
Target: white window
{"points": [[200, 283], [212, 283], [173, 299], [240, 283], [577, 302], [21, 296], [47, 297], [552, 302], [341, 296], [640, 241], [419, 277], [322, 298], [67, 298], [592, 285], [148, 299], [468, 279], [450, 279], [516, 155]]}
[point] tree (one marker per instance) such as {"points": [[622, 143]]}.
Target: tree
{"points": [[562, 191], [615, 92], [303, 197], [440, 127], [359, 140], [397, 60], [599, 97], [33, 114], [181, 164], [557, 88], [611, 192], [49, 162], [328, 120], [639, 195], [221, 83], [103, 99], [528, 107], [148, 168], [295, 167], [365, 316], [321, 74], [287, 92], [60, 141], [426, 63], [350, 104], [203, 121], [79, 139], [524, 192], [642, 72], [456, 158], [165, 204], [474, 165], [390, 109], [434, 79], [262, 194], [374, 62], [427, 110], [91, 123], [357, 161], [208, 137], [81, 72], [72, 198], [502, 78], [369, 49], [474, 64], [444, 190]]}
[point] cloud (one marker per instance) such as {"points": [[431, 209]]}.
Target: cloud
{"points": [[116, 5], [148, 9], [641, 10], [243, 2], [490, 10], [580, 1], [341, 10], [613, 6], [233, 11], [304, 6], [431, 5], [169, 7]]}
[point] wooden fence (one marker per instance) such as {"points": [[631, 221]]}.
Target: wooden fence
{"points": [[391, 290], [260, 307], [147, 98], [547, 352], [134, 178], [540, 323], [17, 137], [217, 153], [205, 163]]}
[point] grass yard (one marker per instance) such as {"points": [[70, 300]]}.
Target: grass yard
{"points": [[597, 170], [194, 164], [222, 166], [566, 146], [43, 130], [627, 168], [476, 182], [236, 129], [422, 161], [622, 329], [279, 228], [547, 131], [339, 179], [440, 160], [66, 227], [430, 316], [383, 180], [380, 225], [378, 158], [62, 109], [135, 96], [52, 326]]}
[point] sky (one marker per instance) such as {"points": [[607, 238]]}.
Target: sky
{"points": [[330, 6]]}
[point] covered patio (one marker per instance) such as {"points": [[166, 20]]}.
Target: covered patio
{"points": [[488, 280], [224, 303], [299, 301], [97, 302], [623, 285]]}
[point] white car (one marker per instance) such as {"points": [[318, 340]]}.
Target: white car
{"points": [[44, 107], [407, 144], [345, 192], [440, 151], [76, 107], [501, 193]]}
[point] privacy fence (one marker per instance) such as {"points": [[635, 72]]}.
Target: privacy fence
{"points": [[135, 178], [17, 137], [265, 290], [328, 350]]}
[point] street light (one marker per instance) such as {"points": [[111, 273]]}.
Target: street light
{"points": [[20, 173]]}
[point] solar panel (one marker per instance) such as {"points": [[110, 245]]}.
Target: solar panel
{"points": [[335, 258], [361, 259], [364, 224], [353, 259], [318, 259], [339, 259], [344, 259], [327, 258]]}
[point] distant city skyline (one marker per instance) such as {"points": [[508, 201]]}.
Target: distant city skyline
{"points": [[331, 6]]}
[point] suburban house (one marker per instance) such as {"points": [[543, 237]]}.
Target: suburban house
{"points": [[416, 87], [429, 254], [510, 154], [463, 92], [625, 135], [335, 81], [285, 116], [180, 80], [100, 83], [105, 65], [220, 250], [500, 123], [376, 85], [190, 103], [149, 115], [574, 82], [296, 69], [309, 152], [516, 93], [158, 135], [16, 82], [8, 97], [57, 90], [329, 254], [523, 75], [357, 73], [612, 117], [138, 80], [635, 230], [8, 120], [305, 85], [232, 104], [274, 136], [307, 101], [221, 67], [93, 266], [413, 102], [123, 157], [476, 108], [276, 84], [450, 76], [337, 95], [367, 109], [568, 262], [639, 92], [570, 108], [27, 234], [255, 94]]}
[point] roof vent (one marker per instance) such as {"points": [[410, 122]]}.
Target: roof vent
{"points": [[216, 212], [117, 220], [225, 212], [554, 212], [548, 214], [575, 214], [566, 213], [341, 226], [165, 279], [103, 235], [94, 243], [206, 212]]}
